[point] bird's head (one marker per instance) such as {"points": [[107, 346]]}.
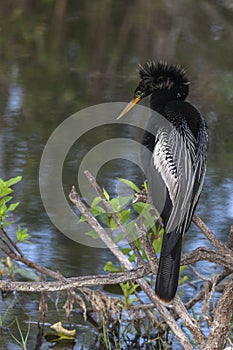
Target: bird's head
{"points": [[165, 82]]}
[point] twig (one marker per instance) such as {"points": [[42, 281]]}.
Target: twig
{"points": [[147, 308], [148, 249], [198, 274], [39, 268], [203, 253], [201, 294], [189, 321], [221, 247], [13, 244]]}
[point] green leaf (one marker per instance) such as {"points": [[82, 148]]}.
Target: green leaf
{"points": [[29, 275], [130, 226], [118, 203], [112, 224], [5, 200], [13, 181], [13, 206], [6, 223], [144, 210], [182, 280], [132, 258], [104, 218], [92, 234], [3, 210], [157, 243], [82, 219], [22, 235], [97, 210], [132, 300], [139, 207], [5, 191], [106, 194], [124, 215], [145, 185], [125, 287], [126, 251], [132, 288], [194, 314], [109, 266], [119, 237], [96, 201], [182, 268], [130, 184], [115, 204], [125, 200]]}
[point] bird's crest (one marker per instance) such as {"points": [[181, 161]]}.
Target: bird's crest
{"points": [[162, 75]]}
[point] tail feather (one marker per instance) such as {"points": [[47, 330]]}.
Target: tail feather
{"points": [[168, 272]]}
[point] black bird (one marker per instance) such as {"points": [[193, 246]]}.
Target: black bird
{"points": [[176, 161]]}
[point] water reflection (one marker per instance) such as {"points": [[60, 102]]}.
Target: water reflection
{"points": [[58, 57]]}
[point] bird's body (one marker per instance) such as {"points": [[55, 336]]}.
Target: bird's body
{"points": [[175, 166]]}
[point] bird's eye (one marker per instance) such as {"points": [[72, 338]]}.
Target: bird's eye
{"points": [[139, 93]]}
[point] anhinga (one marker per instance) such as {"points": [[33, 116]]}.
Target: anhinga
{"points": [[177, 159]]}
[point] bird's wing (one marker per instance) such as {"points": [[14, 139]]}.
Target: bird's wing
{"points": [[199, 167], [173, 161], [176, 177]]}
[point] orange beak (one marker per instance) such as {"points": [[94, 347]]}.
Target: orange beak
{"points": [[128, 107]]}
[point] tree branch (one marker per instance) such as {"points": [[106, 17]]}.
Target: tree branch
{"points": [[221, 247], [74, 282], [203, 253], [222, 320]]}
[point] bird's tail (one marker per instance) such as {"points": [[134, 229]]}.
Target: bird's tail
{"points": [[168, 272]]}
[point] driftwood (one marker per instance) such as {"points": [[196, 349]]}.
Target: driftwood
{"points": [[222, 254]]}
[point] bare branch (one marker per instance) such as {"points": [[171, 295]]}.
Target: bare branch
{"points": [[203, 253], [74, 282], [222, 320], [148, 250], [198, 274], [230, 239], [189, 322], [201, 294], [221, 247]]}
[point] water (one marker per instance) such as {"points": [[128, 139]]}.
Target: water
{"points": [[57, 58]]}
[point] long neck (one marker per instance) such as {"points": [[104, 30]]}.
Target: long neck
{"points": [[160, 98], [158, 101]]}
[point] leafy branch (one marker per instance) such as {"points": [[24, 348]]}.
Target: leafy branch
{"points": [[136, 262]]}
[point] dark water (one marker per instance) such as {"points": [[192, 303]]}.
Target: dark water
{"points": [[58, 57]]}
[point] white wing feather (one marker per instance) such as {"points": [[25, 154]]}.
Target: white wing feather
{"points": [[174, 159]]}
